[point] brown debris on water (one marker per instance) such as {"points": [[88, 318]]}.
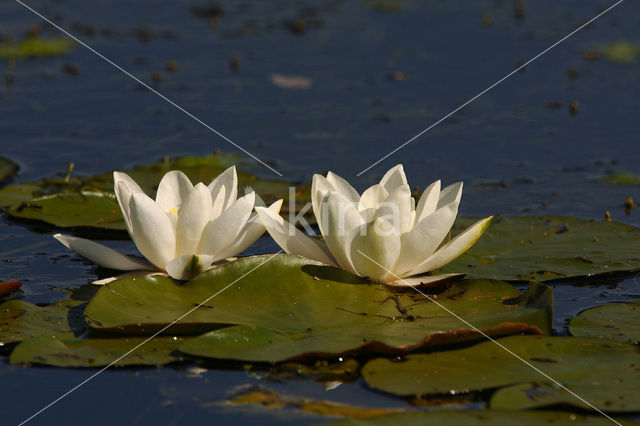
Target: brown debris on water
{"points": [[172, 65]]}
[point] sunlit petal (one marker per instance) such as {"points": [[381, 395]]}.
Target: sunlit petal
{"points": [[224, 191], [124, 187], [454, 248], [292, 240], [343, 187], [428, 201], [100, 254], [194, 216], [253, 230], [342, 219], [374, 250], [372, 197], [425, 237], [450, 194], [173, 190], [152, 230], [394, 178], [223, 231]]}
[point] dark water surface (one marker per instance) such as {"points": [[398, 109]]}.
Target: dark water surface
{"points": [[378, 78]]}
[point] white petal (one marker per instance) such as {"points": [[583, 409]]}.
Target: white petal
{"points": [[194, 216], [320, 186], [124, 187], [374, 249], [428, 201], [425, 280], [249, 234], [218, 202], [342, 219], [453, 248], [425, 237], [223, 231], [292, 240], [394, 178], [188, 266], [131, 274], [450, 194], [397, 209], [102, 255], [343, 187], [152, 230], [226, 185], [373, 196], [173, 190]]}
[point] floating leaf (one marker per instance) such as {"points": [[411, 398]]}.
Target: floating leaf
{"points": [[7, 168], [612, 391], [271, 399], [291, 307], [92, 209], [18, 193], [545, 247], [97, 352], [620, 52], [483, 418], [622, 179], [34, 47], [487, 365], [20, 320], [617, 321], [91, 200]]}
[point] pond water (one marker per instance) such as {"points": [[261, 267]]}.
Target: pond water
{"points": [[379, 73]]}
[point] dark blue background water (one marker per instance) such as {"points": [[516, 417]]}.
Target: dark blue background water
{"points": [[353, 114]]}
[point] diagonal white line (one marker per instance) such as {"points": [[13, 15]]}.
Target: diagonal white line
{"points": [[491, 87], [467, 323], [93, 376], [127, 73]]}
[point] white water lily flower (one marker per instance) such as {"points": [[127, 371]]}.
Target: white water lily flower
{"points": [[185, 230], [380, 234]]}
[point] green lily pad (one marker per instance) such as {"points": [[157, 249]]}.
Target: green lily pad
{"points": [[90, 209], [545, 248], [620, 52], [20, 320], [482, 418], [617, 321], [97, 352], [14, 194], [35, 47], [92, 200], [487, 365], [611, 391], [291, 307], [7, 168]]}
